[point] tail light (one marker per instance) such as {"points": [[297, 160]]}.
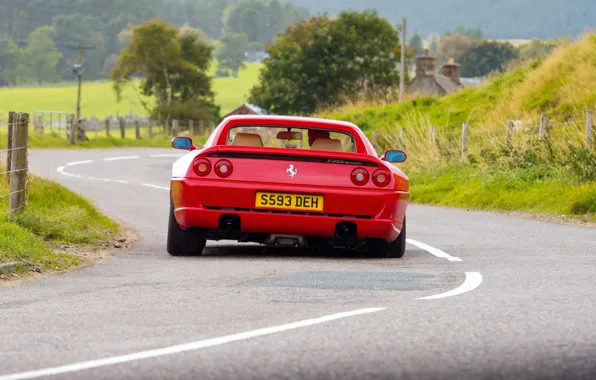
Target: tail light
{"points": [[223, 168], [381, 178], [359, 176], [202, 167]]}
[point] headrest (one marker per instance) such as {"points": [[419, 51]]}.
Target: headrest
{"points": [[247, 139], [327, 144]]}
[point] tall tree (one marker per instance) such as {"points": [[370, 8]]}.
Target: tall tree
{"points": [[10, 57], [173, 66], [415, 44], [41, 56], [230, 54], [322, 62]]}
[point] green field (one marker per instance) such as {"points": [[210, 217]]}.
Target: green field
{"points": [[99, 100]]}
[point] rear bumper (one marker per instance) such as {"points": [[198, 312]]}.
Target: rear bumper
{"points": [[201, 203]]}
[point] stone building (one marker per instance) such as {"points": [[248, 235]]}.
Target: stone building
{"points": [[428, 82]]}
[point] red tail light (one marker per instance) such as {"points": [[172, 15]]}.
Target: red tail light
{"points": [[223, 168], [381, 178], [359, 176], [202, 167]]}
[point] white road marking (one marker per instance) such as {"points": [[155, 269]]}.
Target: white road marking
{"points": [[165, 155], [60, 169], [155, 186], [79, 162], [185, 347], [433, 251], [72, 175], [472, 281], [121, 158]]}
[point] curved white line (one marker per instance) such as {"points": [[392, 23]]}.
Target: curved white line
{"points": [[433, 251], [121, 158], [79, 162], [155, 186], [186, 347], [60, 169], [165, 155], [472, 281]]}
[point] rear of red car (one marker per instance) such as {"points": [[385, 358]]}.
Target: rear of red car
{"points": [[299, 195], [288, 196]]}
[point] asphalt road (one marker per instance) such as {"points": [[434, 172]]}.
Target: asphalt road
{"points": [[506, 298]]}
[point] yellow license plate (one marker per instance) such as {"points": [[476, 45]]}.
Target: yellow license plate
{"points": [[289, 201]]}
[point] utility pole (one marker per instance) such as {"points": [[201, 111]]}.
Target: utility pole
{"points": [[402, 64], [77, 69]]}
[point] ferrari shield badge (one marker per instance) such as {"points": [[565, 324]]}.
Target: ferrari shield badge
{"points": [[292, 171]]}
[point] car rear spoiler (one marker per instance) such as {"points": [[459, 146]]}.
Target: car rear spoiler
{"points": [[304, 155]]}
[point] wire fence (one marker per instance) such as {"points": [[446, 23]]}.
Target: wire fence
{"points": [[64, 125], [560, 131], [14, 137]]}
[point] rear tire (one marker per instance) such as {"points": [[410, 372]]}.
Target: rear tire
{"points": [[394, 249], [183, 243]]}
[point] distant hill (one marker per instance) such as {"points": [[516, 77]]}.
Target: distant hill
{"points": [[497, 18]]}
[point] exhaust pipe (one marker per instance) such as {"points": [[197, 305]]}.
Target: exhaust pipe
{"points": [[345, 230], [229, 223]]}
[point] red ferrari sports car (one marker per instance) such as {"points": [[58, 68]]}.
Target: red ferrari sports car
{"points": [[287, 181]]}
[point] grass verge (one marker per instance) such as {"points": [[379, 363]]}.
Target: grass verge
{"points": [[522, 190], [57, 230]]}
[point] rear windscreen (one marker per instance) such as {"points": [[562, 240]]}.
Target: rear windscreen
{"points": [[291, 138]]}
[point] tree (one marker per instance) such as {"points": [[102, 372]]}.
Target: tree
{"points": [[537, 49], [230, 55], [173, 66], [41, 56], [453, 47], [10, 57], [322, 62], [485, 57], [415, 44]]}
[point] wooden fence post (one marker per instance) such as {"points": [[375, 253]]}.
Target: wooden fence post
{"points": [[543, 126], [201, 127], [509, 133], [96, 127], [11, 122], [122, 128], [589, 126], [107, 127], [166, 128], [464, 139], [19, 165], [72, 130], [191, 128], [175, 127], [432, 135], [150, 126], [375, 137], [137, 129]]}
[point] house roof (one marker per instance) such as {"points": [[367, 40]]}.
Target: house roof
{"points": [[254, 109], [446, 83]]}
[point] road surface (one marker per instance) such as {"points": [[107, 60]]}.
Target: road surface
{"points": [[478, 295]]}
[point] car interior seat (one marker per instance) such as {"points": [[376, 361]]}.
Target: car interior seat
{"points": [[247, 139], [327, 144]]}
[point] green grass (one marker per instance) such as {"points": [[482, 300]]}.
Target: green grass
{"points": [[53, 216], [458, 185], [99, 100]]}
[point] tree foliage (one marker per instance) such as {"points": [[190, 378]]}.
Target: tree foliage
{"points": [[230, 54], [415, 44], [485, 57], [172, 65], [322, 62]]}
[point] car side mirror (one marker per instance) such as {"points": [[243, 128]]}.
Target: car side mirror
{"points": [[394, 156], [184, 143]]}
